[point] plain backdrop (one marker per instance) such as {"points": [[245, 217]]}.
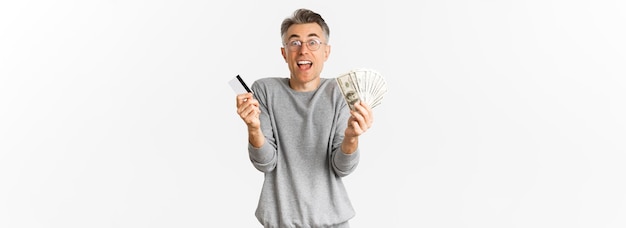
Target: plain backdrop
{"points": [[499, 113]]}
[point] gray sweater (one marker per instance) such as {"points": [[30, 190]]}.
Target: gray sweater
{"points": [[301, 158]]}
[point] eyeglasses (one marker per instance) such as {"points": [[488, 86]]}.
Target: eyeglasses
{"points": [[312, 44]]}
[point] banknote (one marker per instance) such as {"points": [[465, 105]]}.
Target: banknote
{"points": [[348, 89], [361, 84]]}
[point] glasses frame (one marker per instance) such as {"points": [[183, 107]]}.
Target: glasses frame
{"points": [[295, 45]]}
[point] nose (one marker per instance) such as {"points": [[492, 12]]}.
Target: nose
{"points": [[303, 49]]}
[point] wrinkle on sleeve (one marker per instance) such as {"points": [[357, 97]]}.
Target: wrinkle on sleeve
{"points": [[263, 158], [344, 164]]}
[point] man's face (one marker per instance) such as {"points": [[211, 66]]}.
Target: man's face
{"points": [[304, 64], [352, 96]]}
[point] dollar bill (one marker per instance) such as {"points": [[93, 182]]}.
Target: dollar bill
{"points": [[364, 85], [348, 89]]}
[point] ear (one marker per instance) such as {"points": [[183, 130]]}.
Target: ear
{"points": [[282, 52], [326, 52]]}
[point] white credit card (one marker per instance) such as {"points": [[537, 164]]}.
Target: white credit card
{"points": [[238, 85]]}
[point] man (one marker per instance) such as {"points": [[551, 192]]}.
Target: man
{"points": [[301, 133], [352, 98]]}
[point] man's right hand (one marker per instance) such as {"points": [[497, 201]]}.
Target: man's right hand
{"points": [[248, 110]]}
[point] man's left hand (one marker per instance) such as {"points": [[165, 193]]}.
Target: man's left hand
{"points": [[360, 120]]}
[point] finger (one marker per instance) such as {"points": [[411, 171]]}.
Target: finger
{"points": [[241, 107], [242, 98], [243, 104], [250, 110], [363, 111], [244, 109], [358, 130], [367, 113], [253, 102], [249, 117], [360, 119]]}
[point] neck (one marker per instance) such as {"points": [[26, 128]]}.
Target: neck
{"points": [[304, 86]]}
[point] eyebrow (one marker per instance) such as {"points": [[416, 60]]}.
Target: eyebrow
{"points": [[310, 35]]}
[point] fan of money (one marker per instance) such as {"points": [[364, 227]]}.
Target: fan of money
{"points": [[362, 84]]}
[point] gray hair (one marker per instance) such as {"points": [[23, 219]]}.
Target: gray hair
{"points": [[304, 16]]}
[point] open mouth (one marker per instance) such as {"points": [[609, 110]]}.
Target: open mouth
{"points": [[304, 64]]}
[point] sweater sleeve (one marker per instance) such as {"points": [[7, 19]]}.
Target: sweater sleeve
{"points": [[343, 164], [263, 158]]}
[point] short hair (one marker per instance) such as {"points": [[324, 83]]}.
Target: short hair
{"points": [[304, 16]]}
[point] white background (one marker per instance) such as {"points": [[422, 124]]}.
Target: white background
{"points": [[499, 113]]}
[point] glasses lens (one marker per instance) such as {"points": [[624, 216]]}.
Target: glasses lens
{"points": [[294, 45], [313, 44]]}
